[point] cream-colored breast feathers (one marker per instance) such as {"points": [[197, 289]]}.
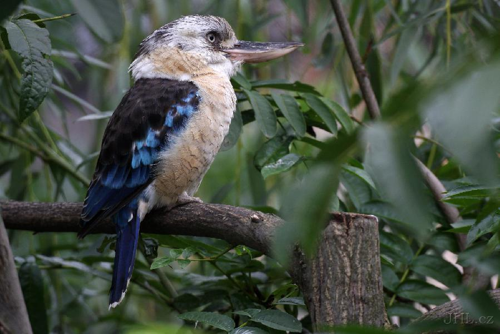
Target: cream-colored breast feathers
{"points": [[181, 168]]}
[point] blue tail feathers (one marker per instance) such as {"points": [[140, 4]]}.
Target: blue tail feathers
{"points": [[127, 223]]}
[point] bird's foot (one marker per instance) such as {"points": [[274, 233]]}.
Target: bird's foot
{"points": [[186, 199]]}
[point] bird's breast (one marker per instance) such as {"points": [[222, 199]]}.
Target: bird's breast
{"points": [[182, 166]]}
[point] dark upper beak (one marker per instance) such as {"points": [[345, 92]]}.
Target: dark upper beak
{"points": [[257, 52]]}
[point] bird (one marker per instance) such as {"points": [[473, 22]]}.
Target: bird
{"points": [[166, 131]]}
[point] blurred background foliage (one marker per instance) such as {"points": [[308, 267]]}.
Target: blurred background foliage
{"points": [[301, 143]]}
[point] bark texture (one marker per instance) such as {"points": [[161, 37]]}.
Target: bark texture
{"points": [[452, 312], [342, 284], [13, 314]]}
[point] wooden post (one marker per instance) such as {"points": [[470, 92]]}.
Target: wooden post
{"points": [[13, 314], [342, 284]]}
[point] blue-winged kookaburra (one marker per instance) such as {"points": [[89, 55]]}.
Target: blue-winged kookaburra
{"points": [[169, 126]]}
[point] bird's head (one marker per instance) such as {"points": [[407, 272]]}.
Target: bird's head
{"points": [[196, 45]]}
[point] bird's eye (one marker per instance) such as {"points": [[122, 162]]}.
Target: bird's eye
{"points": [[211, 37]]}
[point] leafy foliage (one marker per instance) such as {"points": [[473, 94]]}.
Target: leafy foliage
{"points": [[32, 43], [297, 148]]}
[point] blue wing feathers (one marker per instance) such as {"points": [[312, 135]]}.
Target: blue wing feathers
{"points": [[149, 115]]}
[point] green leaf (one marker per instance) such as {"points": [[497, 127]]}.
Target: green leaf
{"points": [[250, 312], [187, 252], [248, 330], [466, 194], [404, 311], [404, 42], [282, 165], [241, 81], [305, 208], [175, 253], [323, 111], [389, 278], [358, 190], [161, 262], [234, 131], [208, 318], [242, 250], [479, 257], [105, 242], [374, 68], [482, 226], [395, 247], [7, 7], [360, 329], [444, 241], [291, 301], [462, 226], [183, 263], [341, 115], [278, 320], [104, 18], [32, 43], [291, 110], [187, 302], [468, 135], [264, 113], [31, 280], [272, 150], [285, 85], [360, 173], [422, 292], [171, 241], [396, 176], [437, 268], [382, 210]]}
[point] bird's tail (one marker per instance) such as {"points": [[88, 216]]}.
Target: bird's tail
{"points": [[127, 223]]}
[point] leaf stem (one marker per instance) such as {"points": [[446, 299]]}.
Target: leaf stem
{"points": [[23, 145], [405, 274], [12, 64], [45, 131], [448, 32], [50, 154], [60, 17]]}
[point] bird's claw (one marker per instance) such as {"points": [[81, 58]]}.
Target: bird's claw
{"points": [[186, 199]]}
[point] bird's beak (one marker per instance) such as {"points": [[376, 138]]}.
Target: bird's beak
{"points": [[257, 52]]}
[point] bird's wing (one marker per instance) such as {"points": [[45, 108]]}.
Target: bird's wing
{"points": [[151, 112]]}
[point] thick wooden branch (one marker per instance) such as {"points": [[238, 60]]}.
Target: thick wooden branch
{"points": [[13, 313], [452, 312], [238, 226], [342, 284]]}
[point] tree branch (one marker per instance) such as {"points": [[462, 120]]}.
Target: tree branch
{"points": [[238, 226], [357, 64], [13, 313], [454, 311]]}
